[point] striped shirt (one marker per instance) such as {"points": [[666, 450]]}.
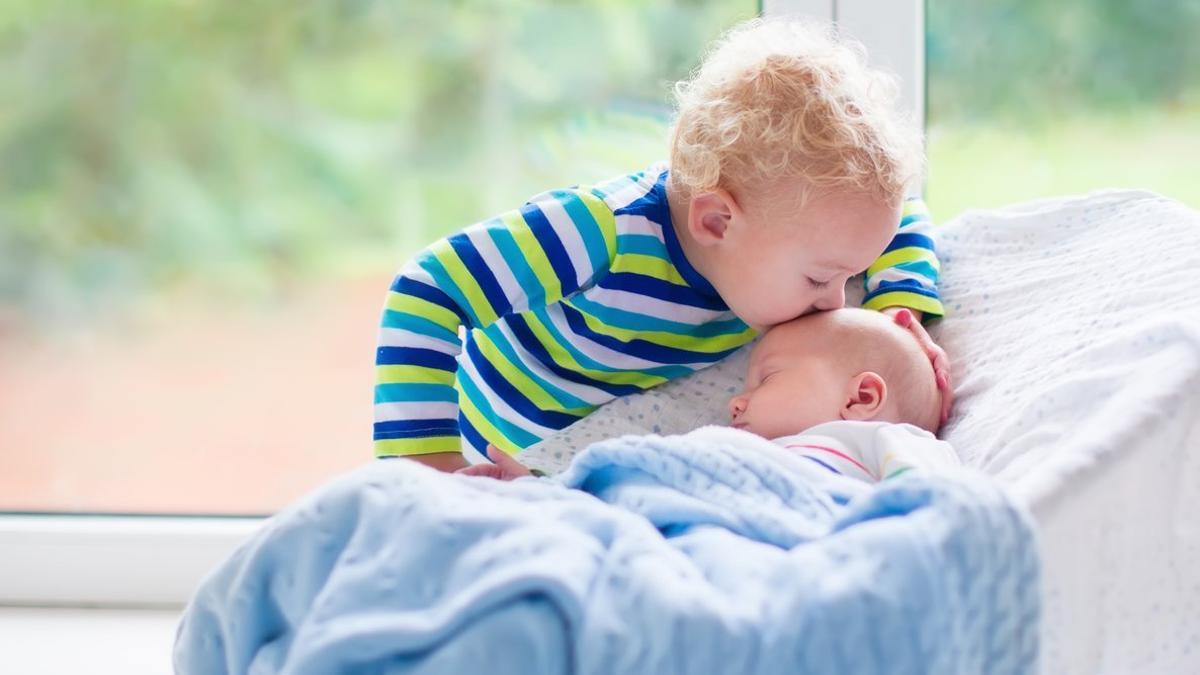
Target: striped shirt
{"points": [[520, 325], [871, 451]]}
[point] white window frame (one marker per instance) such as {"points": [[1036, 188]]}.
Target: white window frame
{"points": [[158, 561]]}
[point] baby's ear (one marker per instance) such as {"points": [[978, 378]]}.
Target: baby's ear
{"points": [[865, 397]]}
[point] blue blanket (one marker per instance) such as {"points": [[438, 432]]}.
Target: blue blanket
{"points": [[713, 552]]}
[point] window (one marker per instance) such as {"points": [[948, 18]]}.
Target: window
{"points": [[1037, 99], [204, 204], [201, 208]]}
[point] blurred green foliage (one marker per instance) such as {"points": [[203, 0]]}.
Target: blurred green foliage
{"points": [[1027, 62], [242, 147], [237, 147]]}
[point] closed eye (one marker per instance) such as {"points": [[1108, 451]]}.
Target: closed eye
{"points": [[817, 284]]}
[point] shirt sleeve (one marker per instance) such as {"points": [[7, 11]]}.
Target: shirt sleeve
{"points": [[553, 246], [890, 450], [906, 275]]}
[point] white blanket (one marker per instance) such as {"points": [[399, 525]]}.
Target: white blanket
{"points": [[1073, 331]]}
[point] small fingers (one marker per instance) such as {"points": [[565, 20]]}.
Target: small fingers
{"points": [[488, 470]]}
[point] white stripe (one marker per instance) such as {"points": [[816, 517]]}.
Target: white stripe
{"points": [[894, 274], [400, 337], [568, 233], [414, 271], [494, 259], [597, 352], [628, 223], [630, 194], [499, 406], [609, 357], [472, 455], [415, 410], [587, 393], [654, 307]]}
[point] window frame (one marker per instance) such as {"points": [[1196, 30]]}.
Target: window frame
{"points": [[158, 561]]}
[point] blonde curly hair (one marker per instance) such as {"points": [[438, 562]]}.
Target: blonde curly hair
{"points": [[786, 99]]}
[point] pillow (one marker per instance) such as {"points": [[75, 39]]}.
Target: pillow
{"points": [[1026, 289]]}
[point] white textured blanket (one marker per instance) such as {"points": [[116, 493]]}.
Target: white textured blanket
{"points": [[1072, 328]]}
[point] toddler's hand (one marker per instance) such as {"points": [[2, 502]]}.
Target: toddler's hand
{"points": [[503, 467], [905, 318]]}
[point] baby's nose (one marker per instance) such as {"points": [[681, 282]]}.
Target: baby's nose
{"points": [[737, 405]]}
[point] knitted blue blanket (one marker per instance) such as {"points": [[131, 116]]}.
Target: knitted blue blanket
{"points": [[712, 552]]}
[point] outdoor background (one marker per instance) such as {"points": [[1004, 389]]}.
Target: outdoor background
{"points": [[202, 203]]}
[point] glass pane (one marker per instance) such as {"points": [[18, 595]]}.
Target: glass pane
{"points": [[1037, 98], [202, 205]]}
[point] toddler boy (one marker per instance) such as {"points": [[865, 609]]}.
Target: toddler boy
{"points": [[788, 172]]}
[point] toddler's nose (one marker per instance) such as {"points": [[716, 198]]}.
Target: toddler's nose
{"points": [[834, 298]]}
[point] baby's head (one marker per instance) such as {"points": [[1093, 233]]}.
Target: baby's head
{"points": [[793, 161], [847, 364]]}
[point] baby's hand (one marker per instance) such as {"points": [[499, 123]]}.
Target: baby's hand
{"points": [[905, 318], [503, 468]]}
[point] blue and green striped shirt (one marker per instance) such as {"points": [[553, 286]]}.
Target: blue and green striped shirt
{"points": [[516, 327]]}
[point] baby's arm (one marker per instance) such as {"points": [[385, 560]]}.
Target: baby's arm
{"points": [[532, 257], [503, 467]]}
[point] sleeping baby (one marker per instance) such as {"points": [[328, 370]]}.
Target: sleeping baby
{"points": [[848, 389]]}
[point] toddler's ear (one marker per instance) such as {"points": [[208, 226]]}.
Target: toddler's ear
{"points": [[865, 397], [709, 215]]}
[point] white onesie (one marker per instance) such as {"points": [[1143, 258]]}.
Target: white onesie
{"points": [[871, 451]]}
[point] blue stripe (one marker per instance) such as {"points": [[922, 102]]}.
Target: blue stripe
{"points": [[482, 274], [472, 435], [511, 431], [911, 218], [906, 239], [662, 290], [822, 464], [670, 372], [637, 347], [442, 278], [555, 252], [589, 229], [564, 398], [420, 289], [418, 324], [522, 272], [530, 342], [414, 356], [512, 396], [922, 267], [413, 391], [642, 244], [655, 206], [907, 285], [627, 320], [415, 429]]}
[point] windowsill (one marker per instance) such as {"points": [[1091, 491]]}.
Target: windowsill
{"points": [[41, 641]]}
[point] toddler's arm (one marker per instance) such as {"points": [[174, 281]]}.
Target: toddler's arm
{"points": [[527, 258], [906, 274]]}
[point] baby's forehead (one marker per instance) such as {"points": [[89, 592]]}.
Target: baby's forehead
{"points": [[834, 332]]}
